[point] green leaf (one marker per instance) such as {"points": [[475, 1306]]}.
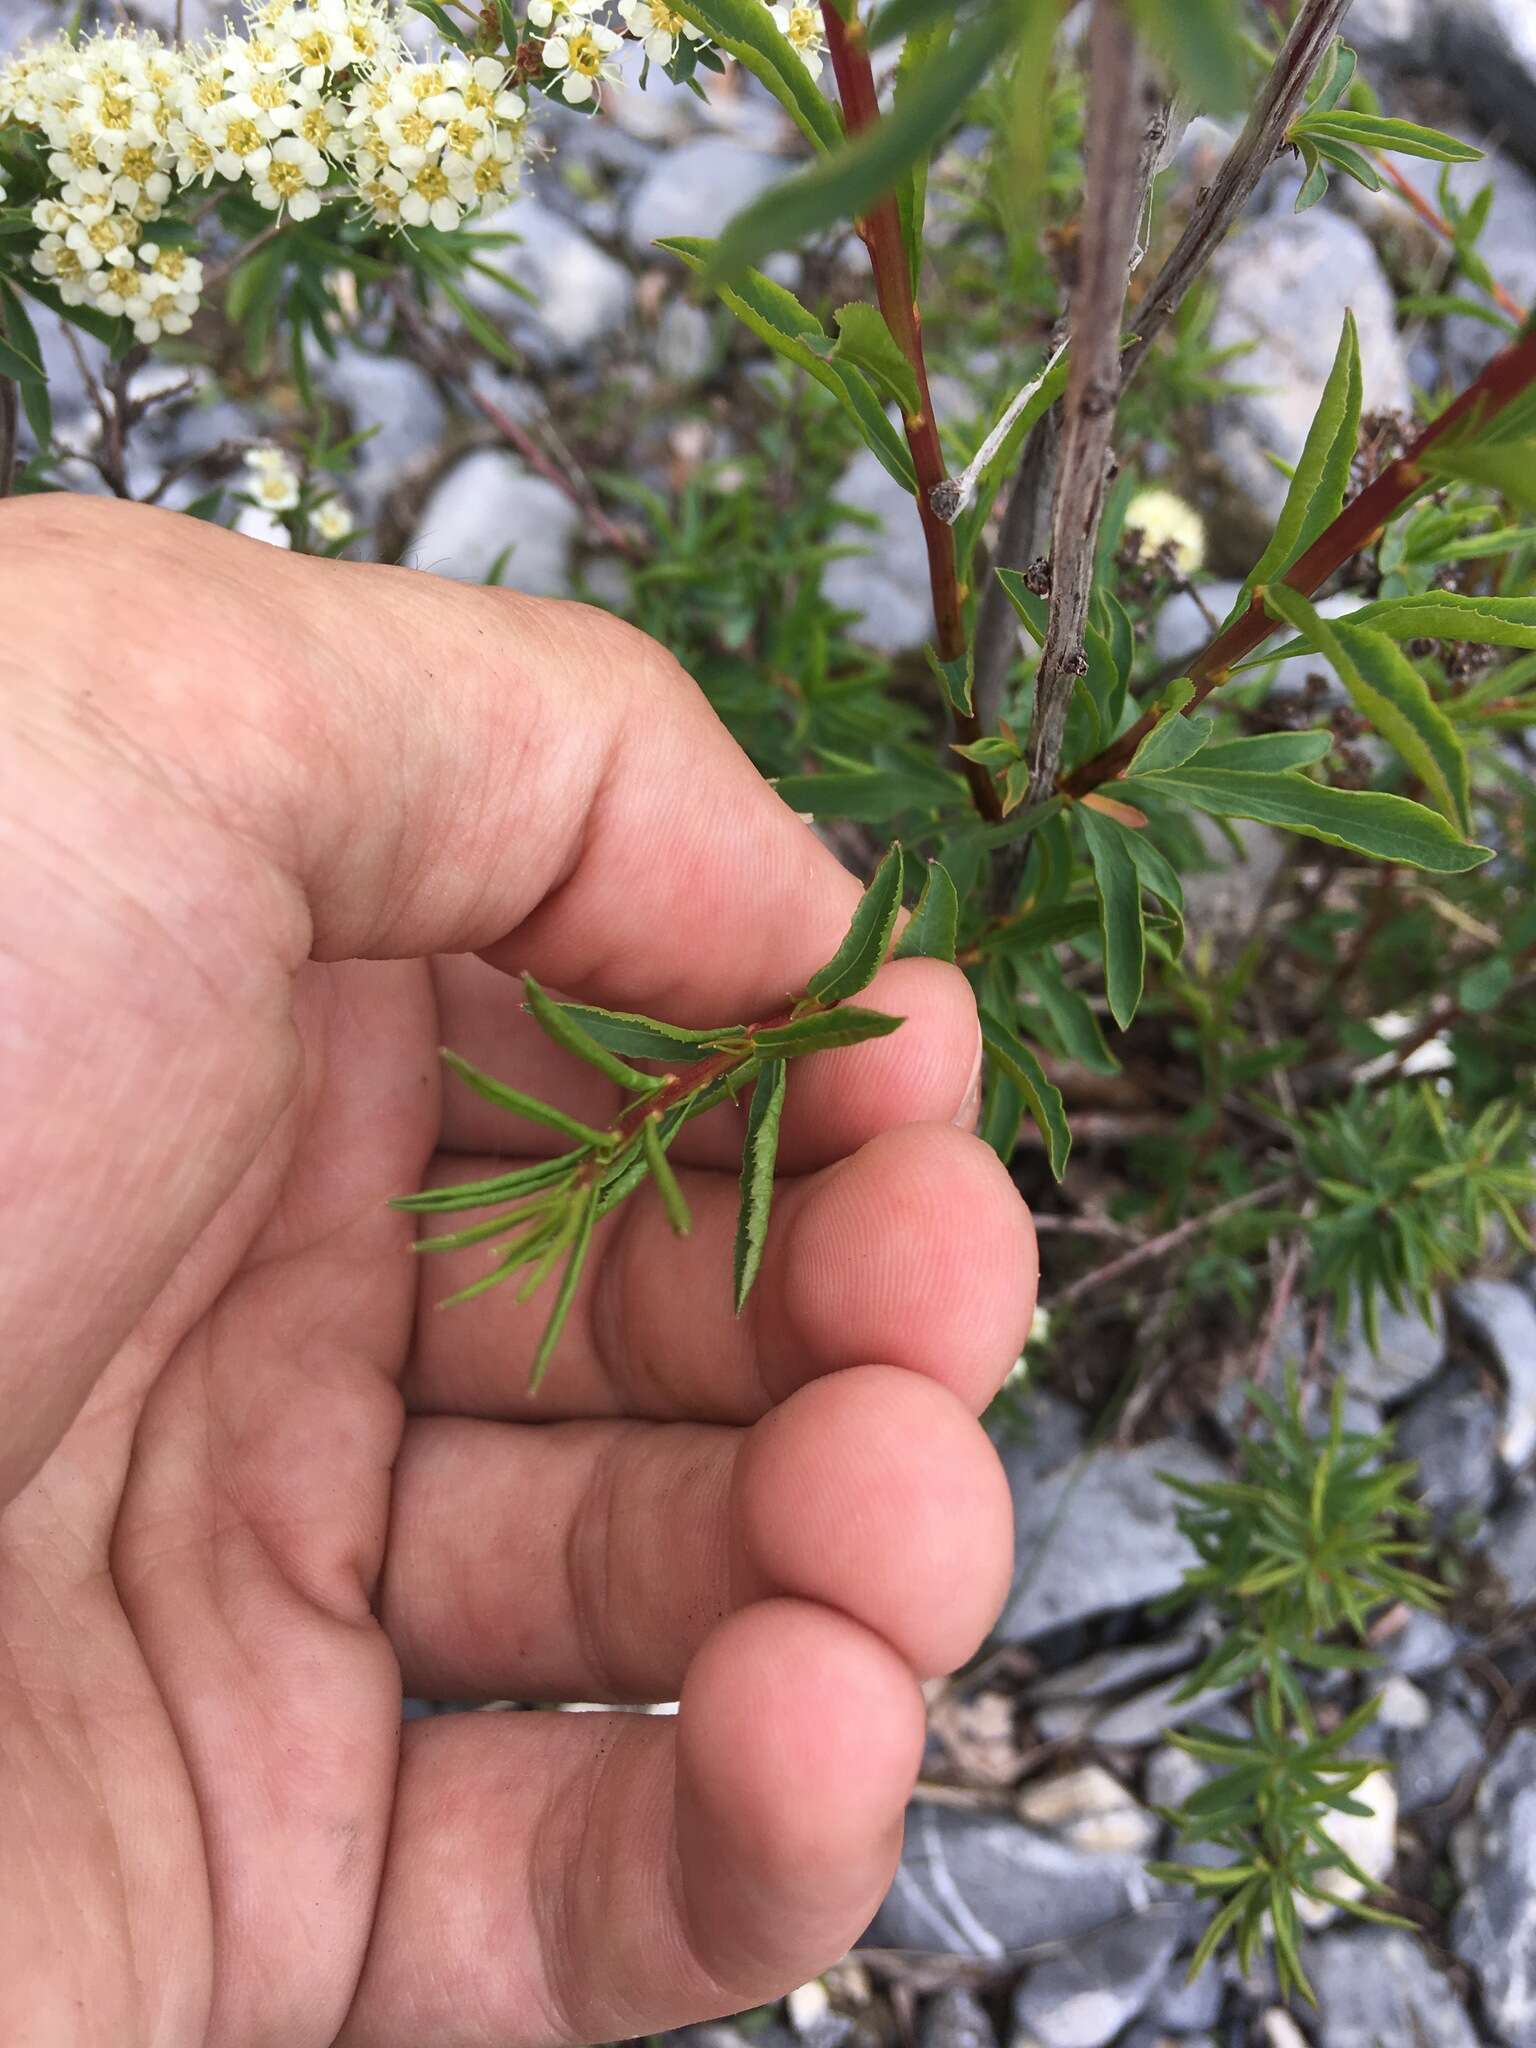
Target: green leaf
{"points": [[22, 335], [1068, 1012], [867, 797], [956, 678], [1118, 883], [1174, 740], [745, 30], [558, 1023], [1266, 753], [1321, 477], [643, 1038], [479, 1194], [1019, 1066], [1378, 131], [1202, 45], [859, 958], [757, 1161], [822, 1030], [1364, 820], [1017, 937], [576, 1258], [932, 931], [779, 320], [864, 340], [513, 1100], [1444, 615], [1484, 985], [1387, 689], [666, 1180], [848, 182]]}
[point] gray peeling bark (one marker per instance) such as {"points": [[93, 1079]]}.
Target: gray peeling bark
{"points": [[1121, 95]]}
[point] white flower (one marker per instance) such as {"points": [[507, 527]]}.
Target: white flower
{"points": [[273, 481], [430, 194], [331, 520], [801, 27], [581, 60], [1165, 521], [241, 142], [660, 28], [549, 14], [289, 180]]}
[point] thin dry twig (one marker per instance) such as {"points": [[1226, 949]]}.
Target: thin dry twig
{"points": [[1112, 205], [1263, 136], [1170, 1241]]}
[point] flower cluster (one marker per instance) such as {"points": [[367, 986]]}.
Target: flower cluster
{"points": [[274, 484]]}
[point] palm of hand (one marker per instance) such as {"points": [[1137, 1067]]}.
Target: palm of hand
{"points": [[231, 1644], [247, 1492]]}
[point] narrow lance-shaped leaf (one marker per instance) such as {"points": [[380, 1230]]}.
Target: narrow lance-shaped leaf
{"points": [[858, 959], [867, 796], [576, 1258], [848, 181], [561, 1024], [1438, 615], [1364, 820], [779, 320], [660, 1165], [479, 1194], [759, 1153], [934, 926], [745, 30], [823, 1030], [1267, 753], [1118, 882], [1321, 477], [1387, 689], [513, 1100], [1382, 131], [864, 340], [637, 1037], [1041, 1095], [1175, 739]]}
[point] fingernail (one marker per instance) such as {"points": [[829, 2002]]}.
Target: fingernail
{"points": [[970, 1103]]}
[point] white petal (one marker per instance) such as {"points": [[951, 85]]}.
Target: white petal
{"points": [[576, 88]]}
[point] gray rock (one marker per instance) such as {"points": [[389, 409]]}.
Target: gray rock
{"points": [[1390, 31], [1489, 47], [1424, 1643], [1115, 1671], [955, 2019], [1089, 1809], [1429, 1763], [1493, 1928], [985, 1885], [1036, 1432], [1409, 1352], [1376, 1986], [1512, 1546], [398, 402], [489, 509], [694, 190], [1099, 1535], [1284, 283], [1503, 1317], [885, 586], [1221, 903], [1188, 2008], [1182, 626], [1085, 1996], [581, 295], [1131, 1723], [686, 346], [1507, 246], [1451, 1429]]}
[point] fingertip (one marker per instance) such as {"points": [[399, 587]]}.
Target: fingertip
{"points": [[876, 1492], [799, 1739], [918, 1251]]}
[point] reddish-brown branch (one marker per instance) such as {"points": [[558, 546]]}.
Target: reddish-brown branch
{"points": [[1357, 526], [895, 288], [1437, 222]]}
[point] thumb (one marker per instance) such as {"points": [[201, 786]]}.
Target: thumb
{"points": [[217, 761]]}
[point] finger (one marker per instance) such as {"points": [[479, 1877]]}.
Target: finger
{"points": [[916, 1251], [226, 759], [873, 1492], [574, 1878], [927, 1072]]}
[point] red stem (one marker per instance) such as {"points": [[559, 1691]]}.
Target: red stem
{"points": [[1356, 527], [895, 288]]}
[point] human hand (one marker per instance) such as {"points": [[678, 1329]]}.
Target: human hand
{"points": [[275, 828]]}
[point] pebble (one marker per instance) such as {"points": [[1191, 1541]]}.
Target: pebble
{"points": [[695, 189], [1376, 1988], [1087, 1995], [1493, 1928], [1503, 1317], [487, 507]]}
